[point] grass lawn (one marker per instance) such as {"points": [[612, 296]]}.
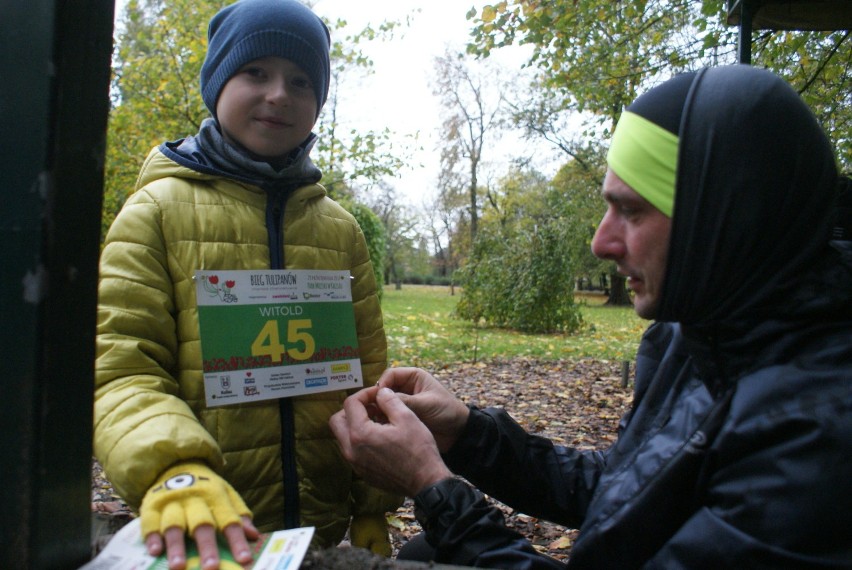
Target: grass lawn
{"points": [[422, 332]]}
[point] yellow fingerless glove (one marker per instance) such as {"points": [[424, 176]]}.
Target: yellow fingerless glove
{"points": [[371, 532], [187, 496]]}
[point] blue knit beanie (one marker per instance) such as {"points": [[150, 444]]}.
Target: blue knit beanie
{"points": [[252, 29]]}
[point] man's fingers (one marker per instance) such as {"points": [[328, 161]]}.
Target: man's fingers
{"points": [[340, 428], [355, 421], [400, 379], [392, 406], [355, 407], [365, 395]]}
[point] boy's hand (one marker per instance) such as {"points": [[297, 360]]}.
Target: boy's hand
{"points": [[191, 498], [371, 532]]}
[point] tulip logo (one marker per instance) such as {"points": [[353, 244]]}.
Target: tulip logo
{"points": [[223, 292]]}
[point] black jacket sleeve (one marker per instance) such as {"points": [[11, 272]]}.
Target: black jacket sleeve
{"points": [[465, 530], [526, 472]]}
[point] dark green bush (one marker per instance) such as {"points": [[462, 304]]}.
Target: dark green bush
{"points": [[522, 280]]}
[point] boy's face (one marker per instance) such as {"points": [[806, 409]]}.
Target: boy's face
{"points": [[268, 107]]}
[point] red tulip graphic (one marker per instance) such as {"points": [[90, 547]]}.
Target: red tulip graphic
{"points": [[211, 285]]}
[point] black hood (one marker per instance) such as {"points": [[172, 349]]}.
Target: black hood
{"points": [[754, 200]]}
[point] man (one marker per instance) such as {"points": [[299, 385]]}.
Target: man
{"points": [[737, 451]]}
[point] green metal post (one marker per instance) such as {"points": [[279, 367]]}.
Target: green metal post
{"points": [[54, 100], [747, 8]]}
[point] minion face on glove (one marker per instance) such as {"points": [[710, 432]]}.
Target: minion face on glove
{"points": [[179, 481], [187, 496]]}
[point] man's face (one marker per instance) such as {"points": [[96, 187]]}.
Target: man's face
{"points": [[635, 235]]}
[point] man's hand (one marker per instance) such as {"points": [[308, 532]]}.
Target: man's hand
{"points": [[398, 454], [191, 498], [444, 414]]}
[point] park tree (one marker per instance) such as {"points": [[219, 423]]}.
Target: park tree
{"points": [[577, 187], [596, 54], [159, 51], [520, 274], [447, 221], [545, 116], [374, 234], [472, 106], [401, 226], [599, 54]]}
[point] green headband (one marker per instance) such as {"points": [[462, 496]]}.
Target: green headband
{"points": [[644, 156]]}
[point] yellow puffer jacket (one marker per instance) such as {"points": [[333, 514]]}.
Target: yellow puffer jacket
{"points": [[149, 401]]}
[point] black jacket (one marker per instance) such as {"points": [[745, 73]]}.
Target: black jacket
{"points": [[737, 451]]}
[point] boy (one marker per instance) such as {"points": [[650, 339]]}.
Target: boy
{"points": [[241, 194]]}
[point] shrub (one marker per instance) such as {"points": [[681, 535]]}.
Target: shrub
{"points": [[374, 233], [521, 279]]}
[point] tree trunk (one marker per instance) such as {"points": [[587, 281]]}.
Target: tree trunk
{"points": [[618, 295]]}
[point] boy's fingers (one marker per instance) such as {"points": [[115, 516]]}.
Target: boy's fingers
{"points": [[208, 551], [236, 537], [154, 543], [175, 549], [249, 529]]}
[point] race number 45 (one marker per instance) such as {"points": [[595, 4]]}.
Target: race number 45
{"points": [[268, 341]]}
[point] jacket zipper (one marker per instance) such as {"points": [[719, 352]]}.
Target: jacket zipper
{"points": [[276, 204]]}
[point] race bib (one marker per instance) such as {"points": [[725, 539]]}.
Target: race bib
{"points": [[268, 334]]}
